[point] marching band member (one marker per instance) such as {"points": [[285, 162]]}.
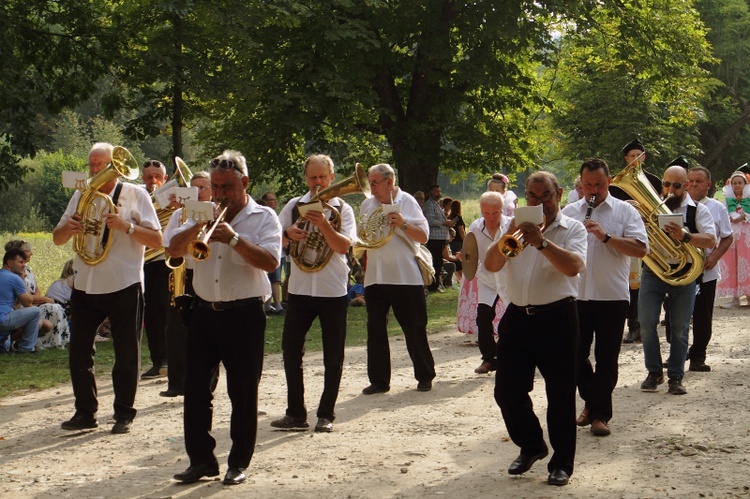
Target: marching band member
{"points": [[155, 287], [393, 279], [615, 234], [540, 330], [700, 232], [228, 322], [176, 331], [320, 294], [487, 230], [113, 289]]}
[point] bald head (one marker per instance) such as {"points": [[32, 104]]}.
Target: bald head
{"points": [[675, 174]]}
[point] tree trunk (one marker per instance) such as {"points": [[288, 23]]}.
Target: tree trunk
{"points": [[177, 97], [725, 139]]}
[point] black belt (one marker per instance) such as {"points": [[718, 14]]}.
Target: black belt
{"points": [[540, 309], [220, 306]]}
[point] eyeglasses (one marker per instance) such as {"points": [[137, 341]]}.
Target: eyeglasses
{"points": [[225, 164], [668, 184], [544, 198]]}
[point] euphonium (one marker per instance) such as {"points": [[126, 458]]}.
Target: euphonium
{"points": [[93, 243], [632, 180], [183, 175], [511, 245], [199, 248], [313, 253]]}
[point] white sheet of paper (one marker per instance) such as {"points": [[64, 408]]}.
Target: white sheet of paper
{"points": [[304, 208], [391, 208], [665, 219], [532, 214], [185, 194], [162, 193], [75, 180], [200, 211]]}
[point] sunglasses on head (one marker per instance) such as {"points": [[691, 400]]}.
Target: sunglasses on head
{"points": [[225, 164], [152, 163], [668, 184]]}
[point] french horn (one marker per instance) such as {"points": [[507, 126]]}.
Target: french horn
{"points": [[313, 253], [93, 243]]}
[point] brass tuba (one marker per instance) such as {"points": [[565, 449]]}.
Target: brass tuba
{"points": [[182, 175], [313, 253], [633, 181], [93, 243]]}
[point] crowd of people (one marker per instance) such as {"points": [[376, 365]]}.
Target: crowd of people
{"points": [[554, 297]]}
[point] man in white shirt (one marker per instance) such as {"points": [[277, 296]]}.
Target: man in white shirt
{"points": [[540, 330], [112, 288], [228, 323], [487, 230], [320, 294], [699, 231], [699, 183], [615, 234], [393, 279]]}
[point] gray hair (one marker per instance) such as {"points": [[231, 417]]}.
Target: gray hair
{"points": [[385, 170], [320, 158], [102, 146], [491, 198], [237, 158], [201, 174]]}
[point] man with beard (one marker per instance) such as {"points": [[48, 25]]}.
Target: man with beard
{"points": [[615, 234], [228, 323], [540, 330], [700, 232]]}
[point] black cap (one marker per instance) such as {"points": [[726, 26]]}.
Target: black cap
{"points": [[636, 144], [680, 161], [744, 168]]}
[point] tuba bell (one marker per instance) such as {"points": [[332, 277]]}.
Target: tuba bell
{"points": [[690, 260], [313, 253], [182, 176], [93, 243]]}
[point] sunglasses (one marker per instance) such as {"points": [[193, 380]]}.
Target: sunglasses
{"points": [[668, 184], [152, 163], [225, 164]]}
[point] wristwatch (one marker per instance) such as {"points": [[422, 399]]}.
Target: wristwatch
{"points": [[235, 239], [607, 237], [686, 238], [131, 229], [543, 245], [403, 227]]}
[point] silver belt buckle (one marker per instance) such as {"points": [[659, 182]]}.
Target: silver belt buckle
{"points": [[213, 307], [530, 310]]}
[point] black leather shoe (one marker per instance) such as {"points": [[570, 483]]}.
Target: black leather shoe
{"points": [[122, 426], [375, 389], [558, 477], [701, 368], [424, 386], [79, 422], [195, 473], [171, 392], [234, 476], [522, 464]]}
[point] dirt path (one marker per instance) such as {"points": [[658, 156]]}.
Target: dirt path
{"points": [[450, 442]]}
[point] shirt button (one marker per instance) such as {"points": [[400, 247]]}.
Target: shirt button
{"points": [[216, 281]]}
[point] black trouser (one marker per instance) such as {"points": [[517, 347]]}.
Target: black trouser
{"points": [[300, 314], [436, 250], [236, 338], [486, 333], [632, 316], [176, 334], [410, 310], [605, 319], [703, 316], [156, 297], [548, 341], [124, 309]]}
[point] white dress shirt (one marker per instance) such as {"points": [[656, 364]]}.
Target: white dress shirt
{"points": [[331, 280], [704, 222], [607, 273], [225, 275], [487, 284], [123, 266], [723, 227], [394, 262], [531, 278]]}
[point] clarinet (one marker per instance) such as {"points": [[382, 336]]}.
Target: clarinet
{"points": [[590, 208]]}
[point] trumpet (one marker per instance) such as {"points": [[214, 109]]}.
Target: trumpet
{"points": [[198, 248], [511, 245]]}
